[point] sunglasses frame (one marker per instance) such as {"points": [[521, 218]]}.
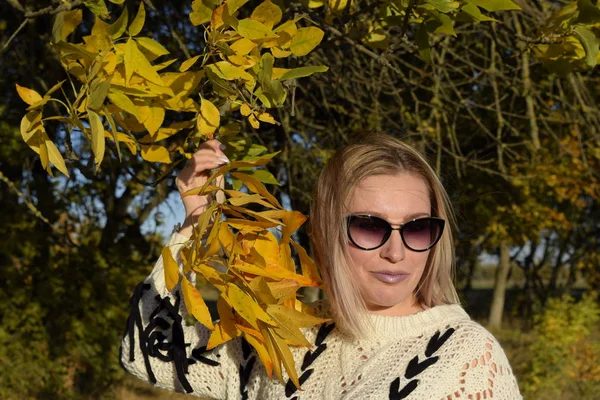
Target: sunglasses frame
{"points": [[400, 229]]}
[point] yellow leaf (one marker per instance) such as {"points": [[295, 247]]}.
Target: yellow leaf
{"points": [[245, 110], [253, 121], [266, 117], [284, 288], [240, 61], [250, 332], [254, 185], [171, 269], [98, 93], [166, 132], [135, 61], [151, 46], [151, 117], [235, 5], [309, 269], [209, 118], [337, 6], [120, 25], [279, 53], [228, 71], [228, 240], [306, 40], [246, 306], [56, 158], [268, 247], [263, 354], [285, 355], [44, 158], [65, 23], [254, 30], [226, 326], [29, 122], [138, 22], [240, 302], [201, 12], [279, 72], [195, 304], [155, 153], [98, 141], [122, 101], [216, 19], [243, 46], [188, 63], [288, 327], [273, 355], [29, 96], [267, 13]]}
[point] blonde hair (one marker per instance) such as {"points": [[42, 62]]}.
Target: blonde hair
{"points": [[376, 154]]}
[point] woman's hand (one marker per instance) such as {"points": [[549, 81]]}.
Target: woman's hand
{"points": [[195, 174]]}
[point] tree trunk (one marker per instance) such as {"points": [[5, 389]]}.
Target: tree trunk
{"points": [[497, 308]]}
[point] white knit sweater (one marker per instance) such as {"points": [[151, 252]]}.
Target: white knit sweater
{"points": [[435, 354]]}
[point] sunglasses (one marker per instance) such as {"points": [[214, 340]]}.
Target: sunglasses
{"points": [[368, 232]]}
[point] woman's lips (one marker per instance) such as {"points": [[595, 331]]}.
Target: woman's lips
{"points": [[390, 277]]}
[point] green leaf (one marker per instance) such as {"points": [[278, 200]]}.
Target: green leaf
{"points": [[263, 175], [422, 40], [444, 6], [447, 26], [138, 22], [588, 12], [474, 12], [495, 5], [590, 44], [303, 72], [98, 144]]}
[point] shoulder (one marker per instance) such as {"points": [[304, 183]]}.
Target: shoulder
{"points": [[479, 362]]}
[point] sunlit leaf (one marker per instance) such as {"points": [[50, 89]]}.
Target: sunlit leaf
{"points": [[254, 30], [56, 158], [138, 22], [188, 63], [98, 141], [209, 118], [171, 269], [156, 153], [29, 96], [195, 303], [267, 13], [120, 25], [306, 40]]}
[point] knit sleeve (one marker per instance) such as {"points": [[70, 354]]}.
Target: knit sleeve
{"points": [[160, 347], [483, 371]]}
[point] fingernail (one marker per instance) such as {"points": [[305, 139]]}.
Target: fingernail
{"points": [[223, 160], [222, 147]]}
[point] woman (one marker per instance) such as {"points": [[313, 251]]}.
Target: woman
{"points": [[380, 227]]}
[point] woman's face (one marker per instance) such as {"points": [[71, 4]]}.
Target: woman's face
{"points": [[397, 199]]}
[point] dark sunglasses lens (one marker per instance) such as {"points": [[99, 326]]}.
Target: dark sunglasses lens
{"points": [[367, 232], [422, 233]]}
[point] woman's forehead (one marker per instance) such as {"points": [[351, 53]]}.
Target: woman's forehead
{"points": [[393, 196]]}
